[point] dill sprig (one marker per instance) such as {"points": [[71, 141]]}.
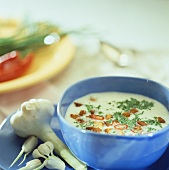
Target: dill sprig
{"points": [[30, 36], [27, 37]]}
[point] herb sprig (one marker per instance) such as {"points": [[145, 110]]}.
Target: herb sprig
{"points": [[27, 37], [30, 36]]}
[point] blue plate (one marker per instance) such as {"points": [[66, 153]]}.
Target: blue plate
{"points": [[10, 145]]}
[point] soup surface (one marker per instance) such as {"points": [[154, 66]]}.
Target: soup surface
{"points": [[117, 113]]}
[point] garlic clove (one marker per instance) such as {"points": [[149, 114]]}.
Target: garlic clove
{"points": [[33, 164], [54, 162], [37, 154], [27, 147], [30, 144], [44, 149], [51, 146]]}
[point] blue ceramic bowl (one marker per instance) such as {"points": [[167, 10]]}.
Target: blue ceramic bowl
{"points": [[107, 152]]}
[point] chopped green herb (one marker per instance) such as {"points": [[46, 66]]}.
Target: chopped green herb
{"points": [[89, 107], [117, 115], [98, 107], [153, 122], [91, 122], [150, 129], [100, 113], [109, 121], [157, 123], [126, 105]]}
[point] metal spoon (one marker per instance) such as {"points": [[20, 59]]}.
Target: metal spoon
{"points": [[115, 54]]}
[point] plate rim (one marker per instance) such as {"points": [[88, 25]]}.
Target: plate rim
{"points": [[65, 53]]}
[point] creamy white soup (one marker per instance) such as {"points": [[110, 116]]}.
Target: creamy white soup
{"points": [[117, 113]]}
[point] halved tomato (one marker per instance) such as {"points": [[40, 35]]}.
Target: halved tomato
{"points": [[13, 65]]}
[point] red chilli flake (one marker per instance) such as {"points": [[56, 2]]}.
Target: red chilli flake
{"points": [[121, 126], [97, 117]]}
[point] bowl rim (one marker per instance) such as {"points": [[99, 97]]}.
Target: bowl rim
{"points": [[142, 136]]}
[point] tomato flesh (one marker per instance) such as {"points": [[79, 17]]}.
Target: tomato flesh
{"points": [[13, 66]]}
